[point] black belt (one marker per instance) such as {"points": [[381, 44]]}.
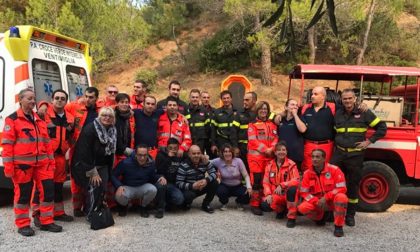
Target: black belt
{"points": [[319, 142]]}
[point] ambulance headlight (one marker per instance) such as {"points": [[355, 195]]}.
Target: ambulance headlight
{"points": [[14, 32]]}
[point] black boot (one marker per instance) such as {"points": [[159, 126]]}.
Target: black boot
{"points": [[159, 213], [64, 218], [351, 212], [144, 212], [350, 221], [52, 228], [122, 210], [338, 231], [291, 223], [281, 215], [26, 231], [256, 211]]}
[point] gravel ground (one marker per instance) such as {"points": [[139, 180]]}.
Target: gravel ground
{"points": [[232, 230]]}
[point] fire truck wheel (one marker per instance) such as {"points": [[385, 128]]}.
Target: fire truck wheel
{"points": [[6, 197], [379, 187]]}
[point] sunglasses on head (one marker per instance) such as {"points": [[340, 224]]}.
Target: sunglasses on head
{"points": [[57, 98]]}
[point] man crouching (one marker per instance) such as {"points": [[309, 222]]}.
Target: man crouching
{"points": [[135, 178], [323, 189], [193, 182]]}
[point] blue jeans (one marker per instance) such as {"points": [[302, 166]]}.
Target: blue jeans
{"points": [[174, 195]]}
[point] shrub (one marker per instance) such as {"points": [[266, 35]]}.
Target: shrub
{"points": [[149, 76], [227, 50]]}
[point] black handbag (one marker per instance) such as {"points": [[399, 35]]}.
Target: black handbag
{"points": [[101, 218]]}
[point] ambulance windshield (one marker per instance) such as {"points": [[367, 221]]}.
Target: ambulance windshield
{"points": [[46, 79], [77, 81]]}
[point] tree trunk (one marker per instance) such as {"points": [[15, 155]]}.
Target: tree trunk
{"points": [[366, 36], [266, 64], [312, 44], [265, 54]]}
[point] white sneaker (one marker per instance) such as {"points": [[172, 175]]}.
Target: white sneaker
{"points": [[223, 207], [239, 206]]}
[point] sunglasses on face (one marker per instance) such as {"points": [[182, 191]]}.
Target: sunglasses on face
{"points": [[57, 98], [112, 92]]}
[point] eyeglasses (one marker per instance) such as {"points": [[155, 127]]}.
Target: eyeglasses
{"points": [[112, 92], [58, 98]]}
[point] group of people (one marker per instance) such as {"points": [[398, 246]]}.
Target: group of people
{"points": [[132, 151]]}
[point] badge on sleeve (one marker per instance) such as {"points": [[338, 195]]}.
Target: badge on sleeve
{"points": [[328, 175], [7, 128]]}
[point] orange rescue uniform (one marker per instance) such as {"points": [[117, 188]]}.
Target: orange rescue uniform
{"points": [[177, 129], [28, 158], [134, 104], [262, 136], [287, 177], [331, 185]]}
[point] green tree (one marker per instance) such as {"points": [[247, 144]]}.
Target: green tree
{"points": [[262, 37], [68, 23], [43, 13]]}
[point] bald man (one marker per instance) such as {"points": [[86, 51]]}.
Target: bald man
{"points": [[193, 182], [318, 117]]}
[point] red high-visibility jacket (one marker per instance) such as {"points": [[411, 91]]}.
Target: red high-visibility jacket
{"points": [[25, 142], [177, 129], [59, 134], [261, 136], [285, 176], [330, 182], [134, 104], [106, 102]]}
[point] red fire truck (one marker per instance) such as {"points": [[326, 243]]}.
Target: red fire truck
{"points": [[395, 159]]}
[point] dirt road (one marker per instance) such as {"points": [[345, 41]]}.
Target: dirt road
{"points": [[232, 230]]}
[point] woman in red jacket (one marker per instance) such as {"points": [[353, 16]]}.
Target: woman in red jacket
{"points": [[262, 137], [281, 179]]}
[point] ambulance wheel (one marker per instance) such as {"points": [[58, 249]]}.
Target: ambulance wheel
{"points": [[6, 196], [379, 187]]}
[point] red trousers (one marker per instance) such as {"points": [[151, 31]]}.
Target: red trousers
{"points": [[256, 169], [78, 195], [307, 153], [280, 203], [338, 205], [24, 179], [60, 177]]}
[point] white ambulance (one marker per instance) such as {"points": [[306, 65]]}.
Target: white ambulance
{"points": [[35, 58]]}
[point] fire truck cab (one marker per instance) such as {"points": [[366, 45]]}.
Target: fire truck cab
{"points": [[394, 159], [45, 61]]}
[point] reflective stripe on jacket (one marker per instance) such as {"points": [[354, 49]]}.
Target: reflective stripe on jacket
{"points": [[25, 143], [285, 176], [327, 184], [177, 129], [262, 135]]}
